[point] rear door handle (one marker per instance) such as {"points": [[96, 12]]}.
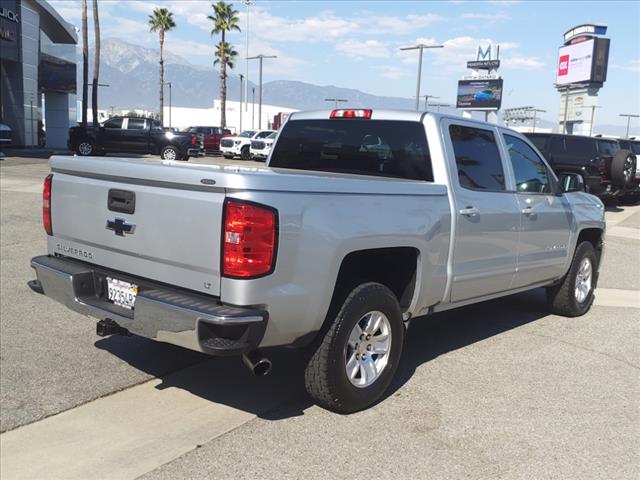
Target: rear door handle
{"points": [[527, 210], [469, 211]]}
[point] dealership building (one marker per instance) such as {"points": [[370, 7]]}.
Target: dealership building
{"points": [[38, 73]]}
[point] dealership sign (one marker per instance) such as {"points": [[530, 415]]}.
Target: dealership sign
{"points": [[9, 15], [587, 29], [484, 64]]}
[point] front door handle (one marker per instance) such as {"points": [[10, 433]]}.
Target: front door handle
{"points": [[469, 211], [527, 210]]}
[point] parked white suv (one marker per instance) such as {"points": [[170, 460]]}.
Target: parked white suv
{"points": [[260, 148], [240, 145]]}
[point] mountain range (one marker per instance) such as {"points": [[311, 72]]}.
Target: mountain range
{"points": [[131, 71]]}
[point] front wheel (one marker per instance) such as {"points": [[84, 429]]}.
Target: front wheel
{"points": [[245, 154], [574, 295], [170, 153], [359, 354]]}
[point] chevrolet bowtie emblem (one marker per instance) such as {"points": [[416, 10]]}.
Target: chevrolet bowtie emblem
{"points": [[120, 227]]}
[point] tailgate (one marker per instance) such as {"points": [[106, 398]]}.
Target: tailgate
{"points": [[173, 235]]}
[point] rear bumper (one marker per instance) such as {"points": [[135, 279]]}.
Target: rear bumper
{"points": [[175, 316], [196, 152]]}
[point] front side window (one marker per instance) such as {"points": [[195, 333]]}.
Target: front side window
{"points": [[529, 169], [247, 134], [113, 123], [477, 158], [263, 134], [136, 124]]}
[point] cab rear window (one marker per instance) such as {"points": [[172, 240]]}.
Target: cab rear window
{"points": [[385, 148]]}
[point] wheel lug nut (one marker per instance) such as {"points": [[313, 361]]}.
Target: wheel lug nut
{"points": [[362, 336], [368, 337], [357, 356], [368, 347]]}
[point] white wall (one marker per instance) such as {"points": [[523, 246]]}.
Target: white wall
{"points": [[182, 117]]}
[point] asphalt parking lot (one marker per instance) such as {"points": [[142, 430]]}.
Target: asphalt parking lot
{"points": [[496, 390]]}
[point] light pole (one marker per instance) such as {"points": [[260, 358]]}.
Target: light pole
{"points": [[593, 111], [241, 87], [336, 100], [91, 85], [535, 115], [253, 106], [426, 100], [247, 3], [629, 117], [260, 57], [420, 47], [169, 83]]}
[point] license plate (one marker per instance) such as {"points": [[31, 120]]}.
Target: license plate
{"points": [[121, 293]]}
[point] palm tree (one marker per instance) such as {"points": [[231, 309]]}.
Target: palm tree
{"points": [[96, 63], [161, 21], [225, 53], [85, 63], [224, 19]]}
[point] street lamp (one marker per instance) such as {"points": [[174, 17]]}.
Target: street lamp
{"points": [[420, 47], [593, 111], [247, 3], [260, 57], [336, 100], [426, 100], [629, 117], [241, 87], [168, 83]]}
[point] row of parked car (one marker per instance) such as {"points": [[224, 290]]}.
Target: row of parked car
{"points": [[607, 166]]}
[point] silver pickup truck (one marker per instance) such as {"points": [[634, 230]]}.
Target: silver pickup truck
{"points": [[361, 221]]}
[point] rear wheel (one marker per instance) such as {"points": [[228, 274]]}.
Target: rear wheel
{"points": [[574, 295], [170, 153], [359, 354], [85, 148]]}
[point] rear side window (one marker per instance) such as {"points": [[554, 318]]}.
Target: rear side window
{"points": [[136, 124], [539, 142], [580, 146], [477, 158], [608, 147], [383, 148]]}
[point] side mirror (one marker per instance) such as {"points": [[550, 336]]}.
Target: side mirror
{"points": [[571, 182]]}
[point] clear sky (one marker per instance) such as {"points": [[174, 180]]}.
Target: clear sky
{"points": [[355, 44]]}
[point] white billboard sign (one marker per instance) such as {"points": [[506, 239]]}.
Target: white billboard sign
{"points": [[574, 63]]}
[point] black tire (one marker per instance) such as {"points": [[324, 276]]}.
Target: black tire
{"points": [[326, 378], [86, 148], [185, 158], [623, 168], [170, 153], [228, 157], [245, 153], [562, 297]]}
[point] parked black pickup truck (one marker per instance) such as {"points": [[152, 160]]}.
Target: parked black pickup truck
{"points": [[134, 135]]}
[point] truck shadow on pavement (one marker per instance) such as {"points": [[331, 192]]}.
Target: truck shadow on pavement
{"points": [[281, 394]]}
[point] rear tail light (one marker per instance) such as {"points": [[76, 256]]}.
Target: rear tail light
{"points": [[250, 236], [193, 139], [46, 205], [358, 113]]}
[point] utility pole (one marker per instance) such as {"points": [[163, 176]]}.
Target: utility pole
{"points": [[426, 100], [629, 117], [336, 100], [420, 47], [566, 110], [260, 57], [241, 87], [247, 3]]}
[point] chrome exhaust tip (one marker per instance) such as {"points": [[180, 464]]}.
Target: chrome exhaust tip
{"points": [[257, 363]]}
